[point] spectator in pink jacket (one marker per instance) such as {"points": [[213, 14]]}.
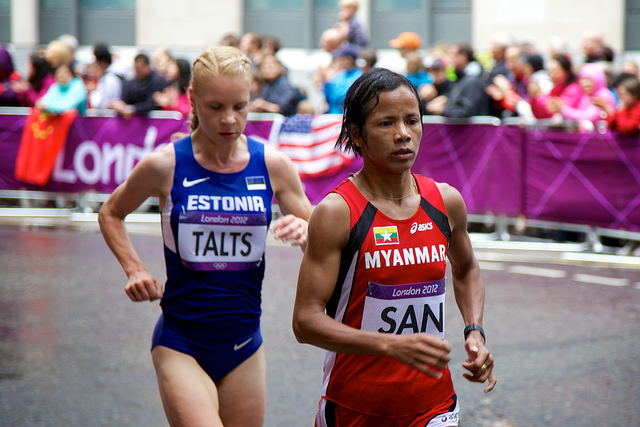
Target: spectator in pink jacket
{"points": [[593, 84], [565, 88]]}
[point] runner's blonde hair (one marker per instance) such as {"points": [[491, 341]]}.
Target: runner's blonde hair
{"points": [[217, 61]]}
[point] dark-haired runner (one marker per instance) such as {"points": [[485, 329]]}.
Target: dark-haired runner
{"points": [[372, 280]]}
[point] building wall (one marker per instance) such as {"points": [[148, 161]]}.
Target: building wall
{"points": [[24, 23], [163, 22], [186, 24], [541, 20], [196, 24]]}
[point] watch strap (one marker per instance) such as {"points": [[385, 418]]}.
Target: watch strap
{"points": [[474, 327]]}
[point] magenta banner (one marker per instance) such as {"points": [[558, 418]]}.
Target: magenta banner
{"points": [[100, 152], [586, 178], [583, 178], [478, 160]]}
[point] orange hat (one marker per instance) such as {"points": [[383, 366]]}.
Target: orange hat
{"points": [[407, 40]]}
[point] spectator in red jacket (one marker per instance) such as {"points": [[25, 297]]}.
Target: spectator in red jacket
{"points": [[626, 119]]}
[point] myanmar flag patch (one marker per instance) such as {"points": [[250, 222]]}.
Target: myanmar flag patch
{"points": [[386, 235]]}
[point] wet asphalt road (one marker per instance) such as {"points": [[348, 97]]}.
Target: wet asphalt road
{"points": [[74, 351]]}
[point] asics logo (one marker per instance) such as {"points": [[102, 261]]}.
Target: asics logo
{"points": [[237, 347], [421, 227], [186, 183]]}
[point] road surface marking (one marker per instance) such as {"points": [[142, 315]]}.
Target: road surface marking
{"points": [[537, 271], [485, 265], [600, 280]]}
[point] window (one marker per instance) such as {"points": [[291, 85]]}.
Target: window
{"points": [[392, 17], [273, 5], [451, 21], [397, 5], [297, 23], [107, 21], [632, 25], [5, 21], [55, 4], [90, 21], [57, 17], [108, 4], [432, 20]]}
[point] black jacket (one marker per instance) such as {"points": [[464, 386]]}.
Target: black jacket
{"points": [[139, 93], [467, 98]]}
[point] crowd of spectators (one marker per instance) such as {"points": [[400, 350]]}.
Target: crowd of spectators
{"points": [[56, 81], [583, 90], [512, 79], [580, 90]]}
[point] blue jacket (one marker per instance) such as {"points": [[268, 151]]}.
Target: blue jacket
{"points": [[60, 99], [282, 93], [419, 78], [336, 89]]}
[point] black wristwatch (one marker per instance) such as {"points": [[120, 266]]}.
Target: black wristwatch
{"points": [[474, 327]]}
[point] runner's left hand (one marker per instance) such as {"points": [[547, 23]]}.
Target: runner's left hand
{"points": [[479, 363], [291, 229]]}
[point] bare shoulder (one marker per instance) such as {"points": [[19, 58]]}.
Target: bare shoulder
{"points": [[333, 206], [330, 220], [277, 162], [154, 172], [161, 160], [450, 195], [282, 173]]}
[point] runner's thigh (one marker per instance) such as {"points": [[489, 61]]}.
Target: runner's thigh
{"points": [[242, 393], [189, 396]]}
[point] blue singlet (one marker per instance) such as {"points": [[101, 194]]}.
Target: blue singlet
{"points": [[214, 229]]}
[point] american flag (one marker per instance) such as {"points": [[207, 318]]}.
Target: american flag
{"points": [[309, 142]]}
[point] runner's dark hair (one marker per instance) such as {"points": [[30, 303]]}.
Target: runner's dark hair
{"points": [[357, 105]]}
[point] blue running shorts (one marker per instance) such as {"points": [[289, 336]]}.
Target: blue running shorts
{"points": [[217, 358]]}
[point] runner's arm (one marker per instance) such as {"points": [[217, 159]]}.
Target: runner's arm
{"points": [[152, 176], [468, 288], [293, 202]]}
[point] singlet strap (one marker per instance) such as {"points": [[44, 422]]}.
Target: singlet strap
{"points": [[441, 220], [357, 235], [432, 203]]}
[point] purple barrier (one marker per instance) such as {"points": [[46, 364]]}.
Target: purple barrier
{"points": [[480, 161], [100, 152], [590, 179], [580, 178]]}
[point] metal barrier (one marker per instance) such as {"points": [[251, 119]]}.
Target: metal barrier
{"points": [[79, 211], [92, 112]]}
